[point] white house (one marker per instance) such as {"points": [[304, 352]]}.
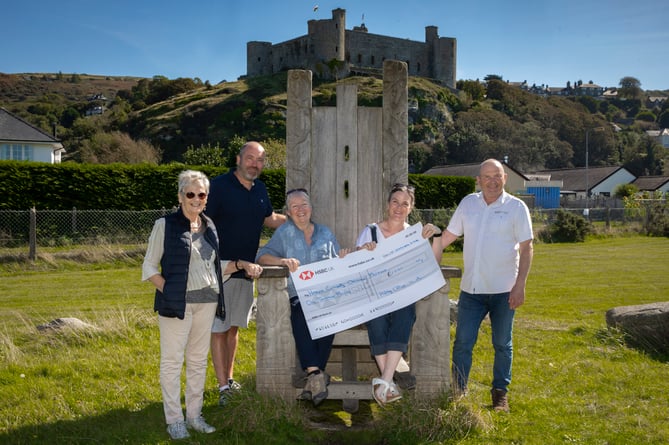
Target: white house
{"points": [[661, 136], [599, 180], [21, 141]]}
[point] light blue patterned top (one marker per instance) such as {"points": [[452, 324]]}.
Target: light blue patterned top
{"points": [[288, 242]]}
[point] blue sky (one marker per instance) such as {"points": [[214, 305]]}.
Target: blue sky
{"points": [[542, 41]]}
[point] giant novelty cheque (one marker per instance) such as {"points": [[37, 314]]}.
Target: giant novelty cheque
{"points": [[341, 293]]}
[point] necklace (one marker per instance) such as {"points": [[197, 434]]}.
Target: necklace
{"points": [[195, 226]]}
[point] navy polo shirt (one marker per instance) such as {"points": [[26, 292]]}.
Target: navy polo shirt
{"points": [[239, 215]]}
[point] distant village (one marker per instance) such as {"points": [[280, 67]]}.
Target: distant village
{"points": [[581, 89]]}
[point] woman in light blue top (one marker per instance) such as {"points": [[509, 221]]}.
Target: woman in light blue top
{"points": [[300, 241]]}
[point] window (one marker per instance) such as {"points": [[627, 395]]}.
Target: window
{"points": [[16, 152]]}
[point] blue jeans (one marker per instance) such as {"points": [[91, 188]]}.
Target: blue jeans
{"points": [[472, 309], [391, 332], [310, 352]]}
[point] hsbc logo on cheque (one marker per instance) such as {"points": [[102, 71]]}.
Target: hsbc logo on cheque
{"points": [[306, 275], [309, 274]]}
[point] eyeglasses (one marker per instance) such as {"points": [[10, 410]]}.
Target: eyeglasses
{"points": [[300, 190], [191, 195]]}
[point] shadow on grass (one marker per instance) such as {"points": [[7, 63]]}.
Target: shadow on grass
{"points": [[250, 418], [654, 347], [145, 426]]}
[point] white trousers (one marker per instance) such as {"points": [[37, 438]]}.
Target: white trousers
{"points": [[190, 339]]}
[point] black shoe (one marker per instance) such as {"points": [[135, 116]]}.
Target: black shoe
{"points": [[405, 380]]}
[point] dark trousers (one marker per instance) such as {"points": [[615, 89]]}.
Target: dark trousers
{"points": [[311, 352]]}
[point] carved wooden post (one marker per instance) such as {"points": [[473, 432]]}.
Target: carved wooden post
{"points": [[298, 129], [429, 347], [275, 346]]}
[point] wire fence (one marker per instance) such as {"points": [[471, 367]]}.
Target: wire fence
{"points": [[34, 229]]}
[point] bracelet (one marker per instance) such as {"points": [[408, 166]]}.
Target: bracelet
{"points": [[237, 265], [436, 235]]}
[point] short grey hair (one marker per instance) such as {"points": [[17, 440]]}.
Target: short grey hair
{"points": [[294, 193], [188, 177]]}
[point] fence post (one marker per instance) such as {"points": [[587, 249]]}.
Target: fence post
{"points": [[33, 234], [608, 217]]}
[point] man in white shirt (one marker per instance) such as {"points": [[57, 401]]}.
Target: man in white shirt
{"points": [[497, 231]]}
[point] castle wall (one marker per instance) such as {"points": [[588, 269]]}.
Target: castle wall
{"points": [[370, 50], [290, 54]]}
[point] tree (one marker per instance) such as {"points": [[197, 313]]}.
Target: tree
{"points": [[490, 77], [630, 88], [624, 190], [205, 155], [474, 88], [107, 148], [663, 119], [645, 115]]}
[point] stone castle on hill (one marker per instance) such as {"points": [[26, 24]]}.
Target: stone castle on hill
{"points": [[331, 50]]}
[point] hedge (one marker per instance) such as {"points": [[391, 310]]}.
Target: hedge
{"points": [[148, 187]]}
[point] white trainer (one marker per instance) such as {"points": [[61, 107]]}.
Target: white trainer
{"points": [[177, 430], [198, 424]]}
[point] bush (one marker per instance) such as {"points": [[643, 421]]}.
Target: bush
{"points": [[658, 218], [150, 187], [567, 228], [624, 190]]}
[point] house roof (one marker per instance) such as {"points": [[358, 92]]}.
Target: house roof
{"points": [[15, 129], [589, 85], [471, 170], [650, 183], [574, 178]]}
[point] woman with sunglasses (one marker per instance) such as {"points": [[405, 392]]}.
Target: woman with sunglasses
{"points": [[183, 263], [297, 242], [389, 334]]}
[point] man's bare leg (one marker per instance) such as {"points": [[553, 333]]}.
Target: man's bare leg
{"points": [[230, 341], [217, 358]]}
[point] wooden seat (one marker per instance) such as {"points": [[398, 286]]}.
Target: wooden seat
{"points": [[351, 364]]}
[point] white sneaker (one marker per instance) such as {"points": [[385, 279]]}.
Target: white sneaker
{"points": [[177, 430], [198, 424]]}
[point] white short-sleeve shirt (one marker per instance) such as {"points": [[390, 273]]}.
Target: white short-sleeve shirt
{"points": [[492, 234]]}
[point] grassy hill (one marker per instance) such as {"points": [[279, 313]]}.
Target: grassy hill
{"points": [[446, 127]]}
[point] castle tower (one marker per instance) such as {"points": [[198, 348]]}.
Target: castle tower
{"points": [[327, 37], [259, 59], [442, 52]]}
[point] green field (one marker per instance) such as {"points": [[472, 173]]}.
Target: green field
{"points": [[574, 382]]}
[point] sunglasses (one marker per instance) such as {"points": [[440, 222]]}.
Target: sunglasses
{"points": [[301, 190], [191, 195], [398, 186]]}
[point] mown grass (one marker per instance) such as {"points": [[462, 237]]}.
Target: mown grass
{"points": [[574, 382]]}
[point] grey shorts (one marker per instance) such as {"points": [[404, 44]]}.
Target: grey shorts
{"points": [[238, 303]]}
